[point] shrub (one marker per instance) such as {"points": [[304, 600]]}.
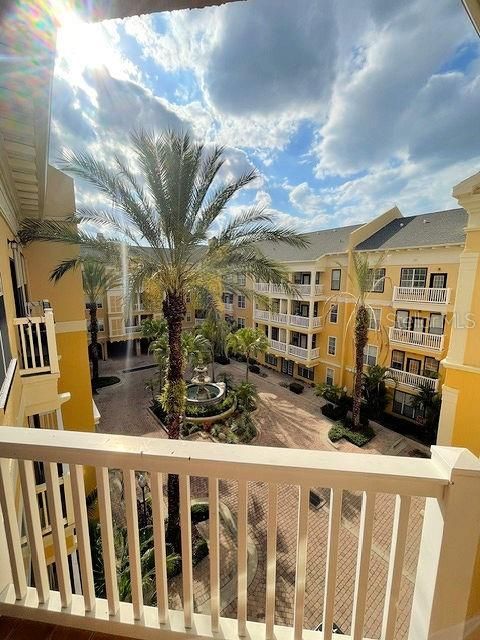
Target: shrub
{"points": [[199, 550], [222, 359], [243, 428], [199, 512], [254, 368], [336, 433], [194, 411], [334, 412], [358, 438], [296, 387], [330, 392]]}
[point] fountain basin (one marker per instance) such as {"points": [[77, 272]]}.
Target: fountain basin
{"points": [[205, 393]]}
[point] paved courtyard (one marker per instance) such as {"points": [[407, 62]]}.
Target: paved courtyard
{"points": [[286, 420]]}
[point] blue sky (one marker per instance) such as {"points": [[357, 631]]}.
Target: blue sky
{"points": [[345, 109]]}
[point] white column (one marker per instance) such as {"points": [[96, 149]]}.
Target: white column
{"points": [[447, 549]]}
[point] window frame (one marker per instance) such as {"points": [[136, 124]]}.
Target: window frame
{"points": [[241, 298], [366, 355], [332, 280], [442, 328], [327, 377], [310, 372], [402, 368], [329, 351], [378, 323], [414, 277], [377, 281], [427, 371], [333, 311], [269, 357], [241, 323]]}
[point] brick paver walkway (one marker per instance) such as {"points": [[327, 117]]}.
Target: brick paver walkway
{"points": [[288, 420]]}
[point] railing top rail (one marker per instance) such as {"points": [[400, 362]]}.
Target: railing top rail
{"points": [[361, 472], [29, 320]]}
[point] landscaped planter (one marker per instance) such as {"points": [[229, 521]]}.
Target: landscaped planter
{"points": [[213, 419]]}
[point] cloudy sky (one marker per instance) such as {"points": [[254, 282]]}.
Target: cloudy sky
{"points": [[345, 108]]}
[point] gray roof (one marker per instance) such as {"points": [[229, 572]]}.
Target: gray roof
{"points": [[320, 243], [426, 230]]}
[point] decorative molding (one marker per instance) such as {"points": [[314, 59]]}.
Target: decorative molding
{"points": [[460, 367], [7, 383], [71, 326]]}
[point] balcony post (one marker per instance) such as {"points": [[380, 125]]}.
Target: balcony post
{"points": [[447, 551], [51, 341]]}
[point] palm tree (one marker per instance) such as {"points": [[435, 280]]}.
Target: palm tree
{"points": [[156, 331], [362, 284], [171, 201], [215, 330], [428, 402], [247, 395], [249, 342], [97, 279], [374, 390]]}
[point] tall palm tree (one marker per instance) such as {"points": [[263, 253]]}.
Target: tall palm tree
{"points": [[215, 330], [97, 279], [249, 342], [173, 201]]}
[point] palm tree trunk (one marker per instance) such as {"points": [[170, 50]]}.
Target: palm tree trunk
{"points": [[174, 310], [213, 364], [94, 343], [361, 339], [248, 364]]}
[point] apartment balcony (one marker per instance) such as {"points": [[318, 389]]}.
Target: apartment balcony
{"points": [[37, 344], [449, 483], [423, 296], [303, 354], [276, 345], [299, 290], [417, 339], [228, 307], [282, 318], [413, 380]]}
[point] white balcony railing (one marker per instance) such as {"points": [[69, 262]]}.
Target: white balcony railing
{"points": [[299, 352], [299, 321], [429, 341], [228, 306], [413, 380], [279, 318], [450, 482], [278, 346], [262, 315], [282, 318], [299, 290], [37, 344], [424, 295]]}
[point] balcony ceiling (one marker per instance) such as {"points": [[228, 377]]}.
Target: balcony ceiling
{"points": [[105, 9], [472, 7], [27, 56]]}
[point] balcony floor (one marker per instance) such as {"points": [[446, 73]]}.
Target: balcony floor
{"points": [[16, 629]]}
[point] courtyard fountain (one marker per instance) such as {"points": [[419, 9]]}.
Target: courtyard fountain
{"points": [[202, 392]]}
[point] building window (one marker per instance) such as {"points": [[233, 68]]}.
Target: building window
{"points": [[240, 323], [189, 317], [99, 305], [100, 325], [5, 354], [332, 346], [398, 359], [241, 302], [306, 372], [374, 316], [376, 280], [436, 324], [413, 277], [329, 376], [334, 313], [370, 355], [302, 278], [402, 319], [336, 279], [430, 367], [271, 359], [241, 280], [403, 405], [115, 304]]}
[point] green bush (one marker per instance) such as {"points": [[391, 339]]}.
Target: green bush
{"points": [[330, 392], [192, 411], [296, 387], [199, 512], [106, 381], [334, 412], [358, 438], [336, 433], [199, 550]]}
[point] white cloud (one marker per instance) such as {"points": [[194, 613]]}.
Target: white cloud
{"points": [[305, 200]]}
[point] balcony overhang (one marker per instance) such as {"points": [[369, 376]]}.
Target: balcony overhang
{"points": [[107, 9], [472, 7]]}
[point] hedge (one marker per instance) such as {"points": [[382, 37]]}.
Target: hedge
{"points": [[358, 438], [296, 387]]}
